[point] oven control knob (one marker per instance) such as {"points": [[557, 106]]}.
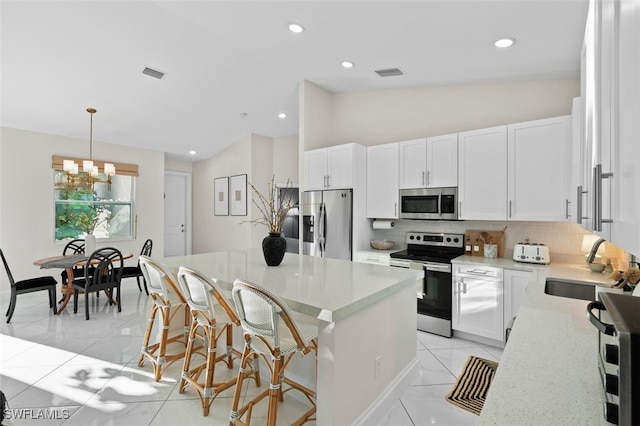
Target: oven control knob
{"points": [[611, 354], [411, 237], [448, 239], [455, 240], [611, 384], [611, 412], [418, 238]]}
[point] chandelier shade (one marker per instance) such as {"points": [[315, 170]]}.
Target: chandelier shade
{"points": [[90, 171]]}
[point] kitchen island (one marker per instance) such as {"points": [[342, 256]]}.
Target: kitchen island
{"points": [[548, 373], [367, 325]]}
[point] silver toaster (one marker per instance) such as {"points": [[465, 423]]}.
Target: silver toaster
{"points": [[531, 253]]}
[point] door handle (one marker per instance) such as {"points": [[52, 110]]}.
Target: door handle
{"points": [[579, 216], [567, 215], [440, 203], [598, 176], [423, 181]]}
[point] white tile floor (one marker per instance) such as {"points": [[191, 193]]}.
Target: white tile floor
{"points": [[86, 373]]}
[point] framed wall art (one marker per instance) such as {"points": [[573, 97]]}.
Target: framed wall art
{"points": [[238, 195], [221, 196]]}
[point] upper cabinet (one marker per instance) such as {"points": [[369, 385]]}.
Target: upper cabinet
{"points": [[626, 175], [382, 181], [429, 163], [482, 174], [516, 172], [610, 95], [332, 167], [538, 169], [442, 161], [413, 164]]}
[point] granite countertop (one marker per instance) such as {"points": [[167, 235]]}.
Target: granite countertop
{"points": [[548, 373]]}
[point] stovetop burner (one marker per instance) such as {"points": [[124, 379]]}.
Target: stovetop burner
{"points": [[431, 247]]}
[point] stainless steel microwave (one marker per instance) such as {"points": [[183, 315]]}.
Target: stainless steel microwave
{"points": [[429, 203]]}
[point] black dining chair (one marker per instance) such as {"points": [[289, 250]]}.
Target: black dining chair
{"points": [[29, 286], [74, 247], [100, 273], [135, 271]]}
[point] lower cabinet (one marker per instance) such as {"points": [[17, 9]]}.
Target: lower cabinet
{"points": [[515, 286], [478, 300]]}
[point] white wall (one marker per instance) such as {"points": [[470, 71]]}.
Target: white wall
{"points": [[178, 166], [383, 116], [26, 190], [285, 158], [260, 158], [210, 232]]}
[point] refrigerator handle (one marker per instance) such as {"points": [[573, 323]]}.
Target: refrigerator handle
{"points": [[322, 228]]}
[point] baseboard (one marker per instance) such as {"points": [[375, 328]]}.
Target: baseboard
{"points": [[479, 339], [388, 398]]}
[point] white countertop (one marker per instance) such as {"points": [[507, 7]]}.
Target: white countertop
{"points": [[329, 289], [548, 373]]}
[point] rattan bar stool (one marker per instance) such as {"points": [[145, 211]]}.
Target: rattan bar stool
{"points": [[167, 300], [214, 316], [271, 332]]}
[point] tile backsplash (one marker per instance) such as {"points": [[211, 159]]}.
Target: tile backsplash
{"points": [[563, 239]]}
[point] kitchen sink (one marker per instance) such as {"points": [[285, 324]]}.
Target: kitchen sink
{"points": [[572, 289]]}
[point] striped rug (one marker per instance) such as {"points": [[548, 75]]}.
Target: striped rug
{"points": [[471, 387]]}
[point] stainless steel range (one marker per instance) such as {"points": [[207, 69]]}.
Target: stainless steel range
{"points": [[432, 252]]}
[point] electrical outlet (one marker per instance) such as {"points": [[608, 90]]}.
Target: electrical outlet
{"points": [[378, 366]]}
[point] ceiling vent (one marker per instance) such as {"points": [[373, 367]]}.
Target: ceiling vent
{"points": [[391, 72], [153, 73]]}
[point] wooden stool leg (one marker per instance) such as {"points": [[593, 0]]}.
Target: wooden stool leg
{"points": [[207, 391], [187, 356], [147, 334], [242, 374], [275, 391]]}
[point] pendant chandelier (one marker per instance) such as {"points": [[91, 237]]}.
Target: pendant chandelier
{"points": [[90, 172]]}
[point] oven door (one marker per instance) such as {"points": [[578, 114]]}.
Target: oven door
{"points": [[435, 300]]}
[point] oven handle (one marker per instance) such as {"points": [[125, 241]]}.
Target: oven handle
{"points": [[605, 328]]}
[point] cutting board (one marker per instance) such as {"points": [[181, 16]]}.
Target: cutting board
{"points": [[479, 238]]}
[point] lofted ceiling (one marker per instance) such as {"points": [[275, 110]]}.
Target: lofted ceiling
{"points": [[226, 59]]}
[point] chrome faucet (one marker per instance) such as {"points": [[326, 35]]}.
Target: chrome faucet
{"points": [[594, 250]]}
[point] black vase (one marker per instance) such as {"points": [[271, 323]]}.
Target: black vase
{"points": [[273, 248]]}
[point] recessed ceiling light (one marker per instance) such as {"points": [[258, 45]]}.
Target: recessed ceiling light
{"points": [[504, 42], [296, 28], [243, 115], [192, 152], [347, 64], [282, 115]]}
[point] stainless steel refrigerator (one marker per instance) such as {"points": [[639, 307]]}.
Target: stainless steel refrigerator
{"points": [[327, 223]]}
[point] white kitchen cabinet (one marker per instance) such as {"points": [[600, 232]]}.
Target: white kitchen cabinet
{"points": [[442, 161], [332, 167], [413, 164], [382, 181], [625, 229], [382, 258], [482, 174], [478, 306], [515, 286], [539, 193]]}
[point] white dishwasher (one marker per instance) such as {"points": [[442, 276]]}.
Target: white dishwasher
{"points": [[478, 300]]}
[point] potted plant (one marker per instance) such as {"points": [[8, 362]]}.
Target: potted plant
{"points": [[272, 214]]}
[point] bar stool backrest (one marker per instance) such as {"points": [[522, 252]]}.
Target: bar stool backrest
{"points": [[266, 316], [204, 294], [161, 282]]}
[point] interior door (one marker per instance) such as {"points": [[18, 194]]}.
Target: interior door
{"points": [[175, 214]]}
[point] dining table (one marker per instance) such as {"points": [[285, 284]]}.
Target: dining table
{"points": [[69, 262]]}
